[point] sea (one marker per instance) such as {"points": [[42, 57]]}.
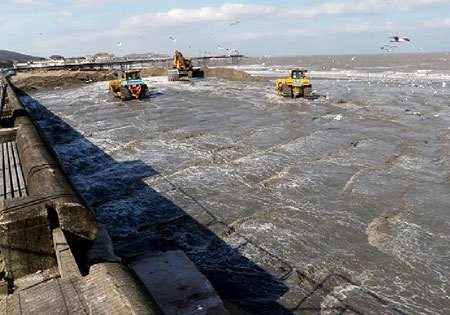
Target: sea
{"points": [[338, 204]]}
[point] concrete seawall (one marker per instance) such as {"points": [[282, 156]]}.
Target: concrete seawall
{"points": [[48, 235], [55, 258]]}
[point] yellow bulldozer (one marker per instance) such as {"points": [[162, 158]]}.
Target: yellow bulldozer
{"points": [[296, 85], [182, 68], [129, 85]]}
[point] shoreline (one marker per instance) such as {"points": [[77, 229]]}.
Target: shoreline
{"points": [[39, 80]]}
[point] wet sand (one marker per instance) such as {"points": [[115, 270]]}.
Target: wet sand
{"points": [[38, 80]]}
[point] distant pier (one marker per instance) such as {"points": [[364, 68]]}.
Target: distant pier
{"points": [[125, 64]]}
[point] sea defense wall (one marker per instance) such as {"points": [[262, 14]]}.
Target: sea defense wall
{"points": [[37, 197], [48, 235]]}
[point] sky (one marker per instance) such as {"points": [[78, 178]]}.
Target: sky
{"points": [[198, 27]]}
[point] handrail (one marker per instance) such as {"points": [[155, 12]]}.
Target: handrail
{"points": [[2, 104]]}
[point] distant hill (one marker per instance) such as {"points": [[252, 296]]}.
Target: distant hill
{"points": [[7, 57]]}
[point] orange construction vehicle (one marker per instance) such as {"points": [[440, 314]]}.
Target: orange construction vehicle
{"points": [[129, 85], [182, 68]]}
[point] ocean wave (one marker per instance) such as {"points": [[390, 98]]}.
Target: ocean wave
{"points": [[375, 73]]}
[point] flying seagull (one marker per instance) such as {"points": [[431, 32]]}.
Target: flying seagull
{"points": [[172, 39], [388, 48], [235, 23], [397, 39], [120, 44]]}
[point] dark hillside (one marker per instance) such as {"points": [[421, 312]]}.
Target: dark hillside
{"points": [[7, 57]]}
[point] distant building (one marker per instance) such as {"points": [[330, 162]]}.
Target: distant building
{"points": [[103, 57], [56, 57], [99, 57], [145, 56], [75, 60]]}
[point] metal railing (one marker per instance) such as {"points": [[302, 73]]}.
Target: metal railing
{"points": [[4, 76]]}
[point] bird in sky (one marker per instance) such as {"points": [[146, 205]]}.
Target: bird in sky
{"points": [[388, 48], [120, 44], [172, 39], [397, 39], [235, 23]]}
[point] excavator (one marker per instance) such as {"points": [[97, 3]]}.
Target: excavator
{"points": [[182, 68], [296, 85], [129, 85]]}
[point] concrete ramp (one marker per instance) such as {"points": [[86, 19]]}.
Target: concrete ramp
{"points": [[176, 284]]}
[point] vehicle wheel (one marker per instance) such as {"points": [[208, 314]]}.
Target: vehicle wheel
{"points": [[307, 91], [173, 77], [286, 90], [144, 91], [124, 93], [198, 73], [279, 89]]}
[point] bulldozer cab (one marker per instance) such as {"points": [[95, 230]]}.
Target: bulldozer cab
{"points": [[298, 74], [131, 75]]}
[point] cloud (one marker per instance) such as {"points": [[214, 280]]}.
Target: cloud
{"points": [[365, 27], [289, 33], [249, 36], [302, 32], [262, 24], [175, 17], [438, 23], [341, 8], [74, 43], [63, 15], [31, 2], [412, 5], [232, 11], [355, 7], [305, 32], [96, 3]]}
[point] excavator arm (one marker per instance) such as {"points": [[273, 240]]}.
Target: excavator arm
{"points": [[179, 62]]}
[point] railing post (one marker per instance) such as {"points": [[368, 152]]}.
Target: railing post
{"points": [[2, 104]]}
